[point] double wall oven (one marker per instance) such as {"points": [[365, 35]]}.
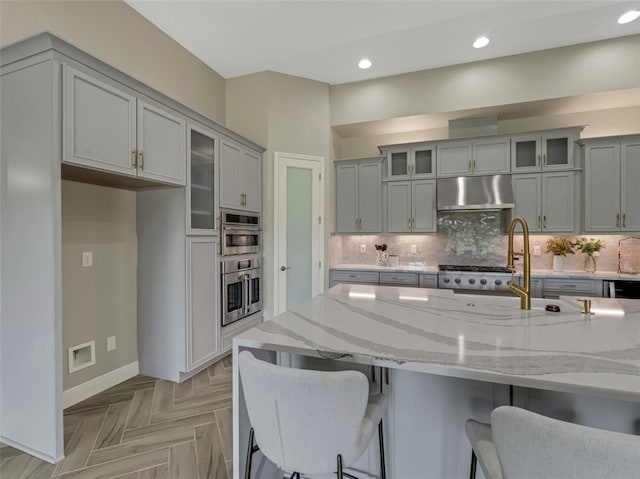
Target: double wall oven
{"points": [[241, 265]]}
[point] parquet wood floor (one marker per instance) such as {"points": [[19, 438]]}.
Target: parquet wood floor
{"points": [[143, 429]]}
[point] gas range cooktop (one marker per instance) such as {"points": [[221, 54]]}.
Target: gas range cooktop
{"points": [[477, 278], [473, 269]]}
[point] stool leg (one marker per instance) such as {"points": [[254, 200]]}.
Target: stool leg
{"points": [[474, 462], [383, 468], [339, 473], [247, 465]]}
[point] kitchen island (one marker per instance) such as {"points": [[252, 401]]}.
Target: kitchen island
{"points": [[566, 364]]}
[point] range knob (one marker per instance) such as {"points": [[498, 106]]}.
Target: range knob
{"points": [[446, 280], [472, 281], [498, 282], [483, 281], [457, 280]]}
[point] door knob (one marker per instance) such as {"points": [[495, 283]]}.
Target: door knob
{"points": [[284, 268]]}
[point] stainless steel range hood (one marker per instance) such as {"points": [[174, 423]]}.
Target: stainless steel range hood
{"points": [[475, 193]]}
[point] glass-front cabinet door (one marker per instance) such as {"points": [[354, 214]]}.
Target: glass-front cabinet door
{"points": [[557, 151], [202, 182], [526, 153], [398, 162], [405, 163], [423, 161]]}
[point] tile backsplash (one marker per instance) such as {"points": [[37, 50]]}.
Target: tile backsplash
{"points": [[483, 244]]}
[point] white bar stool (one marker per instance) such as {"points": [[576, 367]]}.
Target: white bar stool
{"points": [[522, 444], [309, 422]]}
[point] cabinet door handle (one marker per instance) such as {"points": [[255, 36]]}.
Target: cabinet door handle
{"points": [[544, 221], [410, 170], [474, 165], [134, 153], [544, 159], [624, 220], [413, 224], [539, 222], [409, 224], [618, 220], [141, 160]]}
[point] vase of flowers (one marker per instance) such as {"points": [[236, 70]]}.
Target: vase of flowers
{"points": [[560, 248], [589, 248]]}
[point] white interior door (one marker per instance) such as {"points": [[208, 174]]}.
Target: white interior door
{"points": [[299, 229]]}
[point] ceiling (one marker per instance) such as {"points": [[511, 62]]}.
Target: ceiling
{"points": [[324, 40]]}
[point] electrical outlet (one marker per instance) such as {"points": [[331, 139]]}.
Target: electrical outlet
{"points": [[111, 343], [413, 249], [363, 248], [87, 259], [536, 250]]}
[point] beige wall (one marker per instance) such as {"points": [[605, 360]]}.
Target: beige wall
{"points": [[117, 34], [285, 114], [100, 301], [569, 71]]}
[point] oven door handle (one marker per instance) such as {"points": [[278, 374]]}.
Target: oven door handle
{"points": [[249, 295], [246, 296]]}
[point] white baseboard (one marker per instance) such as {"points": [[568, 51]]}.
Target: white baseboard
{"points": [[96, 385]]}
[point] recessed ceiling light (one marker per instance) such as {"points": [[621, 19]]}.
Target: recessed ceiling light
{"points": [[364, 63], [630, 16], [481, 42]]}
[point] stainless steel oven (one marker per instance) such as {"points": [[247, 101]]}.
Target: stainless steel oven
{"points": [[240, 233], [241, 288]]}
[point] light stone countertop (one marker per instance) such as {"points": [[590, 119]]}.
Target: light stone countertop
{"points": [[539, 273], [485, 338]]}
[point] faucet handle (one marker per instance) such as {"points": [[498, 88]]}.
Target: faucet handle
{"points": [[586, 306]]}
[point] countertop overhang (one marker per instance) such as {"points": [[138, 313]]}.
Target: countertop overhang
{"points": [[485, 338]]}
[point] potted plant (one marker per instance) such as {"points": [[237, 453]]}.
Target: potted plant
{"points": [[560, 248], [589, 247]]}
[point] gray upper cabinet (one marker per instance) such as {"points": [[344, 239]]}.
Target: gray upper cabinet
{"points": [[411, 206], [455, 158], [359, 196], [99, 123], [483, 156], [409, 162], [106, 127], [240, 177], [491, 156], [612, 176], [546, 201], [161, 142], [543, 151]]}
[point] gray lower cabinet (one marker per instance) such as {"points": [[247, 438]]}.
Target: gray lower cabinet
{"points": [[399, 279], [411, 206], [353, 277], [178, 289], [553, 288], [359, 196], [429, 280]]}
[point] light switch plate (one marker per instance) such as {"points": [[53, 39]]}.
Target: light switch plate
{"points": [[111, 343], [363, 248], [413, 249], [536, 250], [87, 259]]}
